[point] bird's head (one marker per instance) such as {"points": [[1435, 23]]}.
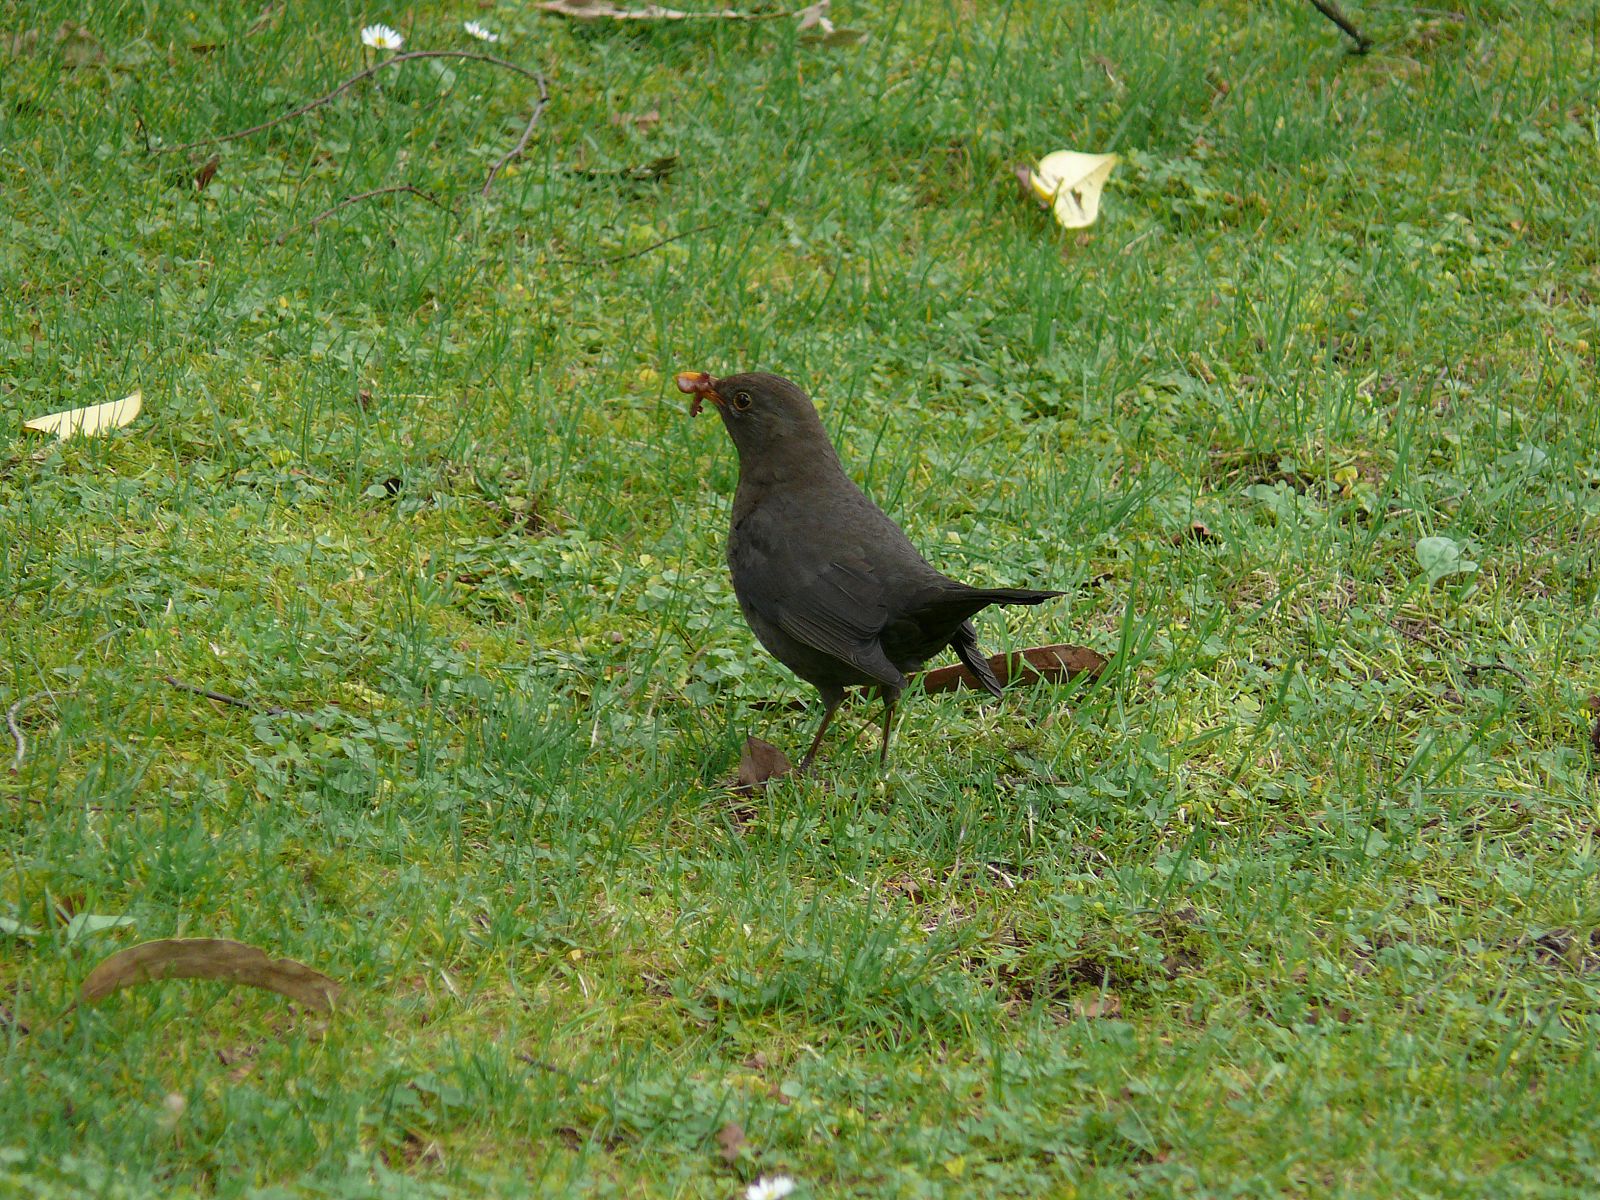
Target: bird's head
{"points": [[761, 412]]}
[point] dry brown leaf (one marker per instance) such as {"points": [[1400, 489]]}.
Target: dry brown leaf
{"points": [[730, 1141], [759, 762], [1101, 1004], [1594, 736], [816, 28], [209, 958], [96, 417], [1052, 664], [600, 10], [207, 170]]}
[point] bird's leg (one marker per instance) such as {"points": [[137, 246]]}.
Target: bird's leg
{"points": [[830, 706], [888, 726]]}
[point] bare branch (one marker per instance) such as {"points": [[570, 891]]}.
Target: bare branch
{"points": [[1332, 11], [616, 258], [522, 143], [272, 710]]}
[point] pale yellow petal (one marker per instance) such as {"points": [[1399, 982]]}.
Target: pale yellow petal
{"points": [[1072, 182], [97, 417]]}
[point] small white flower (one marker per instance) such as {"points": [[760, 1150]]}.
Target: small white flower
{"points": [[775, 1188], [381, 37], [479, 32]]}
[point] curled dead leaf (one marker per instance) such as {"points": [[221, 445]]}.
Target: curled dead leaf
{"points": [[209, 958], [759, 762], [206, 172], [1050, 664], [730, 1141], [1070, 183], [1100, 1004], [601, 10]]}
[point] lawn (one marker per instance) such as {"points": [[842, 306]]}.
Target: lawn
{"points": [[1299, 898]]}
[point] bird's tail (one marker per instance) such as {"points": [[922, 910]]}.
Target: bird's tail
{"points": [[1012, 595], [956, 601]]}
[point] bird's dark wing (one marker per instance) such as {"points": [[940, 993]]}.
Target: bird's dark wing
{"points": [[841, 611]]}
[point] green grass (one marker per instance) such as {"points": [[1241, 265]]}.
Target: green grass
{"points": [[1301, 899]]}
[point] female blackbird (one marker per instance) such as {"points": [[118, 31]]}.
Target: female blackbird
{"points": [[827, 582]]}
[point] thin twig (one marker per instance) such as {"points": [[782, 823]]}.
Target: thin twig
{"points": [[344, 87], [1475, 669], [542, 1065], [1332, 11], [143, 127], [272, 710], [522, 143], [349, 200], [616, 258]]}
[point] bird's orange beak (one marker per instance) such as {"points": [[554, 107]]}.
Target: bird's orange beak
{"points": [[699, 385]]}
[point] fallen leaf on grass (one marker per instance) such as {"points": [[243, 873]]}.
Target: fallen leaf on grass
{"points": [[730, 1141], [209, 958], [600, 10], [1052, 664], [815, 26], [759, 762], [97, 417], [1070, 183], [207, 170], [1594, 735], [1101, 1004]]}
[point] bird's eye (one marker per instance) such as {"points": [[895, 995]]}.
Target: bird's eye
{"points": [[741, 400]]}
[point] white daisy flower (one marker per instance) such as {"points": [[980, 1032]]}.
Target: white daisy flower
{"points": [[381, 37], [479, 32], [775, 1188]]}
